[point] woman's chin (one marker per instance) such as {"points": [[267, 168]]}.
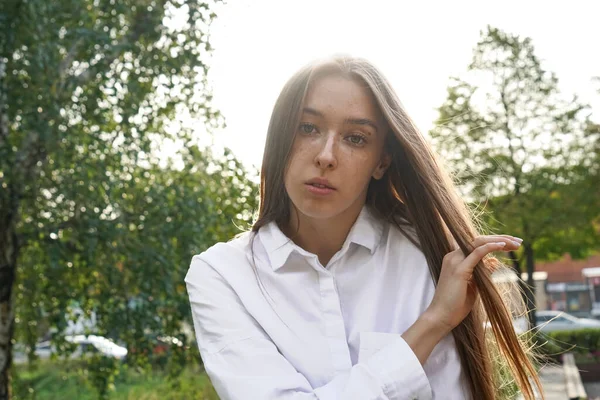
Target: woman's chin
{"points": [[319, 210], [324, 210]]}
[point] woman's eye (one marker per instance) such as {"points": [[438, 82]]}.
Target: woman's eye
{"points": [[307, 128], [356, 139]]}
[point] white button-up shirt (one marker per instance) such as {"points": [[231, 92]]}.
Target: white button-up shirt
{"points": [[288, 327]]}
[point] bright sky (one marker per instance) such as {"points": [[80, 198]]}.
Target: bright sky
{"points": [[259, 44]]}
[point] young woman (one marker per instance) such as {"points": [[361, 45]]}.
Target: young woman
{"points": [[363, 277]]}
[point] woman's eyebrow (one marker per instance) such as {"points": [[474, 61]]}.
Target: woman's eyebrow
{"points": [[312, 111], [361, 121], [350, 121]]}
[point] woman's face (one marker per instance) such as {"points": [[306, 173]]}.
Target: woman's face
{"points": [[338, 148]]}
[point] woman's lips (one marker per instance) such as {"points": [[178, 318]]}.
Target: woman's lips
{"points": [[319, 189]]}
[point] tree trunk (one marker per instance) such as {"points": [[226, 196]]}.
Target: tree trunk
{"points": [[516, 265], [530, 292], [8, 261]]}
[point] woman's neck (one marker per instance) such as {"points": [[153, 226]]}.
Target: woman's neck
{"points": [[322, 237]]}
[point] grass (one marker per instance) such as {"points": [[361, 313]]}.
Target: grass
{"points": [[56, 380]]}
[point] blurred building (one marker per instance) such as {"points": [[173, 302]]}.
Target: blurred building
{"points": [[540, 281], [573, 285], [592, 278], [505, 280], [565, 285]]}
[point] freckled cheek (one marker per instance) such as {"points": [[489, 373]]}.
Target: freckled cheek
{"points": [[298, 154], [354, 160], [295, 167], [356, 172], [301, 157], [299, 146]]}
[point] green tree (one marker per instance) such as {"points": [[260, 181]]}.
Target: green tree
{"points": [[129, 270], [90, 93], [521, 148]]}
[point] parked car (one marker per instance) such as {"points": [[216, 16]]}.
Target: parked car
{"points": [[44, 349], [550, 321], [85, 344], [98, 344]]}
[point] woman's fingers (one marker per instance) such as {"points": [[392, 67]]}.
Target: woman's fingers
{"points": [[479, 252], [512, 243]]}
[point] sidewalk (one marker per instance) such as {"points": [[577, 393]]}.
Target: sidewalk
{"points": [[553, 382], [593, 390]]}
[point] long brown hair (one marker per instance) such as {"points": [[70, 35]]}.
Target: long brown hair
{"points": [[414, 189]]}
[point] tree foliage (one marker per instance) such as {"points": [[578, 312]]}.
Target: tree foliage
{"points": [[97, 209], [521, 149]]}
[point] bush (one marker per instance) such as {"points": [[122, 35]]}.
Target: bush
{"points": [[59, 380], [585, 343]]}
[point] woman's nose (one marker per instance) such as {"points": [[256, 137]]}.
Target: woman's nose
{"points": [[326, 157]]}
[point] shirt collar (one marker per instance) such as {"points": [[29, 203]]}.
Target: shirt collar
{"points": [[366, 232]]}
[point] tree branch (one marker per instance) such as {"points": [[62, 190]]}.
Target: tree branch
{"points": [[3, 107], [69, 58], [516, 167], [141, 21]]}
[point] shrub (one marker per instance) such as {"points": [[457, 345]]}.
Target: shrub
{"points": [[583, 342]]}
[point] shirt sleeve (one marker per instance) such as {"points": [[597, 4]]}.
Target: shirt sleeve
{"points": [[243, 363]]}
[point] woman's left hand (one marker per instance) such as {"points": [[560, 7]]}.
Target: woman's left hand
{"points": [[455, 294]]}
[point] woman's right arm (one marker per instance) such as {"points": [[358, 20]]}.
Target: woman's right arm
{"points": [[243, 363]]}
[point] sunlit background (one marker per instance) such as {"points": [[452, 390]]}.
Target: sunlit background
{"points": [[259, 44], [105, 196]]}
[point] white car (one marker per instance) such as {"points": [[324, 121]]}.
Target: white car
{"points": [[550, 321], [98, 343], [85, 344], [43, 349]]}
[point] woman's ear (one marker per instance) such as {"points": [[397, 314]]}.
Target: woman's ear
{"points": [[384, 164]]}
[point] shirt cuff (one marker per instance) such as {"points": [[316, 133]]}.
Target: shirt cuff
{"points": [[398, 368]]}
